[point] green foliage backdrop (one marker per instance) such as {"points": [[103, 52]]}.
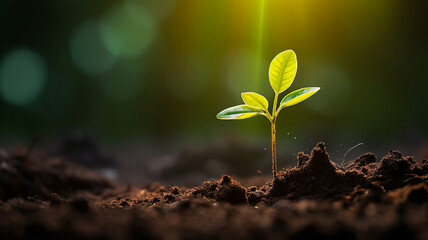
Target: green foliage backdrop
{"points": [[164, 68]]}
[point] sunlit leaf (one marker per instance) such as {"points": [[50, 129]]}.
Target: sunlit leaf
{"points": [[255, 100], [298, 96], [239, 112], [282, 70]]}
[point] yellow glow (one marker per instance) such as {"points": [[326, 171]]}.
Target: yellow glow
{"points": [[260, 54]]}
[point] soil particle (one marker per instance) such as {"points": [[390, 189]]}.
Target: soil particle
{"points": [[424, 168], [226, 179], [169, 198], [175, 190], [256, 197], [55, 200], [208, 189], [302, 158], [365, 159]]}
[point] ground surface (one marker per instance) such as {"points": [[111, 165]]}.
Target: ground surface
{"points": [[52, 198]]}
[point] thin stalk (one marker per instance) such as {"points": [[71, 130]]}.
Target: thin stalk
{"points": [[273, 121], [275, 101], [274, 170]]}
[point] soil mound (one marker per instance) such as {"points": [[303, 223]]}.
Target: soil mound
{"points": [[315, 177]]}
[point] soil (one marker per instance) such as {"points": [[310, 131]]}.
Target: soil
{"points": [[52, 198]]}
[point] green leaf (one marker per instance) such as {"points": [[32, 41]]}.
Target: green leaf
{"points": [[298, 96], [282, 71], [255, 100], [239, 112]]}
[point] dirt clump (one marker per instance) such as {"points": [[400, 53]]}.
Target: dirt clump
{"points": [[175, 190], [394, 170], [365, 160], [224, 190]]}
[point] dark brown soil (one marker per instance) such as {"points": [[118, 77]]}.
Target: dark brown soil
{"points": [[52, 198], [38, 176]]}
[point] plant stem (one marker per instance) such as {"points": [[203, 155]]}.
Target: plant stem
{"points": [[275, 101], [273, 121], [274, 171]]}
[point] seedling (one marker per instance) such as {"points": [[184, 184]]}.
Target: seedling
{"points": [[282, 71]]}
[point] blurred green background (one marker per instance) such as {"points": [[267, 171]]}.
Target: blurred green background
{"points": [[160, 70]]}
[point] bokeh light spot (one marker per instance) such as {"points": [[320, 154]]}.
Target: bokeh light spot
{"points": [[22, 77], [88, 51], [126, 35]]}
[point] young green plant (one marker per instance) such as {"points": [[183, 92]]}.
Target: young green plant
{"points": [[282, 72]]}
